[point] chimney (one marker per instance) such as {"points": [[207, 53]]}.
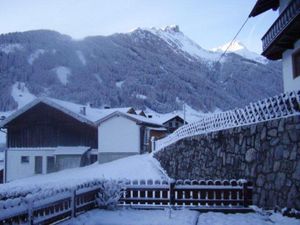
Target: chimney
{"points": [[83, 110]]}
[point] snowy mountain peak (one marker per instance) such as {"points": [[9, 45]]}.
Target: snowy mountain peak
{"points": [[181, 44], [240, 49], [172, 28], [233, 47]]}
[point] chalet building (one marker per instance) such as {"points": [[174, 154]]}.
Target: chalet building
{"points": [[49, 135], [122, 134], [282, 40], [170, 121]]}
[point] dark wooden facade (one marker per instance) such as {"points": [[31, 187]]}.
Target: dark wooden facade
{"points": [[174, 123], [46, 126]]}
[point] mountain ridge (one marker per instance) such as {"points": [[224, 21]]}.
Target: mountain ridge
{"points": [[118, 69]]}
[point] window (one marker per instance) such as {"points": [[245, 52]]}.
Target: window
{"points": [[24, 159], [38, 164], [50, 164], [296, 63]]}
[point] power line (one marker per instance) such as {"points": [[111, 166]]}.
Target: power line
{"points": [[233, 39]]}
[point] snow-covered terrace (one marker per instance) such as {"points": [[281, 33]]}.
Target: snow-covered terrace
{"points": [[177, 217], [133, 167]]}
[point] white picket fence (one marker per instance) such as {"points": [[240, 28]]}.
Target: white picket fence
{"points": [[280, 106], [52, 205]]}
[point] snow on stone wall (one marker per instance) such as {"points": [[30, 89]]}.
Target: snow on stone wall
{"points": [[280, 106]]}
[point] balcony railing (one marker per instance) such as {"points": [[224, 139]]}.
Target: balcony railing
{"points": [[283, 21]]}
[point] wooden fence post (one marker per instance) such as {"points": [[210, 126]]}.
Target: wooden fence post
{"points": [[172, 193], [245, 194], [73, 202], [30, 211]]}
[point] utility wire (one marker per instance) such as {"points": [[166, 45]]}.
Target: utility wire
{"points": [[233, 39]]}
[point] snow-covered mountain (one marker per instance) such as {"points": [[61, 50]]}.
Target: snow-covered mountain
{"points": [[239, 48], [182, 44], [146, 68]]}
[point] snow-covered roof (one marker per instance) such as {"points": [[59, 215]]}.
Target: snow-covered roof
{"points": [[163, 118], [92, 114], [136, 118], [158, 128], [74, 110], [73, 150]]}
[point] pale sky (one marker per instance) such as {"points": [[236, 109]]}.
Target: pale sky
{"points": [[210, 23]]}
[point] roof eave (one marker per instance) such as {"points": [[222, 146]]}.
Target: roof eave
{"points": [[262, 6]]}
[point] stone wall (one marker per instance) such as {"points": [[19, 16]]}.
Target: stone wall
{"points": [[268, 154]]}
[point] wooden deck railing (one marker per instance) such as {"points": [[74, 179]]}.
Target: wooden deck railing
{"points": [[56, 205], [202, 195]]}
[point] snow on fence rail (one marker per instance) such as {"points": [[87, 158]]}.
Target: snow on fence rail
{"points": [[55, 205], [280, 106]]}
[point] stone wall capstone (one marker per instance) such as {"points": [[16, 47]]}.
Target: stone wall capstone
{"points": [[267, 153]]}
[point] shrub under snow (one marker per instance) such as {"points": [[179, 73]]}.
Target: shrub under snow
{"points": [[109, 194]]}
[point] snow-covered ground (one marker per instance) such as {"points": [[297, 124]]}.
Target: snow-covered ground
{"points": [[176, 217], [35, 55], [245, 219], [140, 96], [135, 217], [63, 74], [81, 57], [21, 94], [133, 167], [120, 83], [9, 48]]}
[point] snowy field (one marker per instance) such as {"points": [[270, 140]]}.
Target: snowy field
{"points": [[176, 217], [133, 167]]}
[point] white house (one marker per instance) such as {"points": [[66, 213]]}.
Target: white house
{"points": [[122, 135], [48, 135], [282, 41]]}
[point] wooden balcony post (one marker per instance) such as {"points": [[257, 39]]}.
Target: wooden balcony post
{"points": [[73, 203], [245, 194], [172, 193], [30, 211]]}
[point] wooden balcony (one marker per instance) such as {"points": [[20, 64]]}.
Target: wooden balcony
{"points": [[283, 33]]}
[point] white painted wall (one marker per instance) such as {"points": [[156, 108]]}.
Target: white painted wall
{"points": [[16, 169], [289, 83], [119, 134]]}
